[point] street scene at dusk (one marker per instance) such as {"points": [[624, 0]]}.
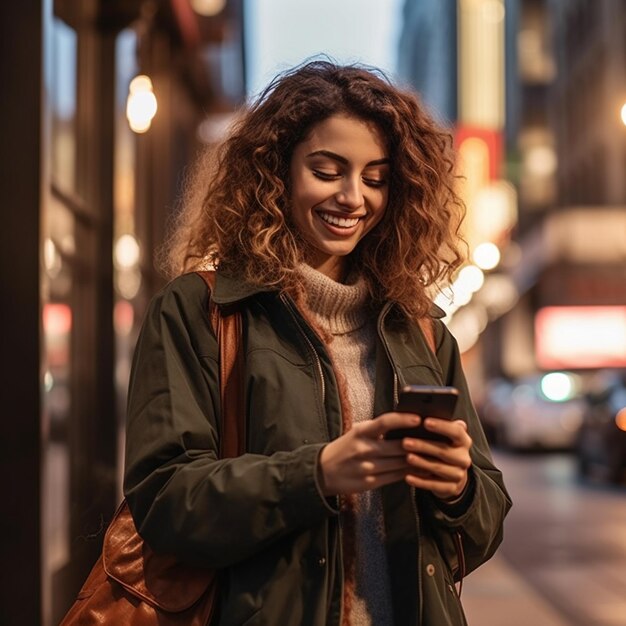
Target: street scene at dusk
{"points": [[456, 168]]}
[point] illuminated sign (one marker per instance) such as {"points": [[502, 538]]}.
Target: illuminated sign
{"points": [[580, 337], [481, 62], [479, 146]]}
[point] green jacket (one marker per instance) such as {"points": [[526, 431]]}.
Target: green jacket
{"points": [[260, 517]]}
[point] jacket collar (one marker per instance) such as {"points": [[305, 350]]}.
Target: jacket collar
{"points": [[436, 311], [230, 289]]}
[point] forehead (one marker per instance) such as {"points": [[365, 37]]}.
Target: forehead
{"points": [[347, 135]]}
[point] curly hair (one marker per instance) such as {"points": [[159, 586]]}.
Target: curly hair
{"points": [[237, 210]]}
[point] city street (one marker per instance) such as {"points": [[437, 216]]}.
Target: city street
{"points": [[563, 560]]}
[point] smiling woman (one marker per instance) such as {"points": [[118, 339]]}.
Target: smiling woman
{"points": [[329, 211], [248, 186], [339, 189]]}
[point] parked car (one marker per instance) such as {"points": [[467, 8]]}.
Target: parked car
{"points": [[537, 412], [601, 442], [495, 401]]}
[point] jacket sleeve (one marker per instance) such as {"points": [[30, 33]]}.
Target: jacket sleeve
{"points": [[480, 522], [184, 500]]}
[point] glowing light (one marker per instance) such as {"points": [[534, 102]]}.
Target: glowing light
{"points": [[141, 105], [495, 208], [126, 251], [471, 278], [557, 386], [540, 160], [624, 114], [486, 255], [580, 337], [57, 319], [48, 380], [123, 317], [128, 282], [208, 8], [51, 258], [461, 296], [620, 419]]}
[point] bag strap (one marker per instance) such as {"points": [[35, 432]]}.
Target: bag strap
{"points": [[228, 330]]}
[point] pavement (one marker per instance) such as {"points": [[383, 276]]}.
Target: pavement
{"points": [[495, 595]]}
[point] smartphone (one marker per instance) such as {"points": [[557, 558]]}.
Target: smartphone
{"points": [[425, 401]]}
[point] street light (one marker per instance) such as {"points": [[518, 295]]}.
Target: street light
{"points": [[141, 105], [208, 8]]}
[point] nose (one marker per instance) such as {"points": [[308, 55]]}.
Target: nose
{"points": [[350, 196]]}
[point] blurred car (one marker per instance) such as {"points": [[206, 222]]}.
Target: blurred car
{"points": [[495, 401], [537, 412], [601, 442]]}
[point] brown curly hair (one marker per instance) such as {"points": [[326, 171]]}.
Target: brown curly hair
{"points": [[236, 214]]}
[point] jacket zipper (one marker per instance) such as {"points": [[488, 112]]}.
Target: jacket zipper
{"points": [[419, 554], [387, 351], [343, 578], [413, 494], [318, 363], [290, 307]]}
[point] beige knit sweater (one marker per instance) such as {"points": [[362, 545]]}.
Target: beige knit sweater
{"points": [[341, 311]]}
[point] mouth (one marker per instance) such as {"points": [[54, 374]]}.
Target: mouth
{"points": [[337, 221]]}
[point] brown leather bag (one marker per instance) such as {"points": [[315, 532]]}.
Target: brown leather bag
{"points": [[130, 585]]}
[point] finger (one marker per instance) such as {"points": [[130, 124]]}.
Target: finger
{"points": [[378, 427], [444, 490], [456, 431], [375, 481], [371, 450], [378, 466], [458, 455], [437, 469]]}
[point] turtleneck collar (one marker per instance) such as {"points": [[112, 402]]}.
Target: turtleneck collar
{"points": [[340, 308]]}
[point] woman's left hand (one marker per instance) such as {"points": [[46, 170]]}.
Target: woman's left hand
{"points": [[440, 467]]}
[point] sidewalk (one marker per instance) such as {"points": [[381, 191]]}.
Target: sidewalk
{"points": [[495, 594]]}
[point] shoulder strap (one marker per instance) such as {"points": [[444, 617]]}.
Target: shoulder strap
{"points": [[427, 326], [228, 330]]}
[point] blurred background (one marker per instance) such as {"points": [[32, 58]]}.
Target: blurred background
{"points": [[105, 103]]}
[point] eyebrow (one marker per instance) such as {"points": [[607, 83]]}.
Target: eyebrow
{"points": [[343, 160]]}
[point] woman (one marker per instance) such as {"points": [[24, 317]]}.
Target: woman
{"points": [[330, 214]]}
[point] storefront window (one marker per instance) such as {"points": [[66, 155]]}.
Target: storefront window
{"points": [[60, 57], [58, 251]]}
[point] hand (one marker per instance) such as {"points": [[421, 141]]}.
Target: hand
{"points": [[437, 466], [362, 459]]}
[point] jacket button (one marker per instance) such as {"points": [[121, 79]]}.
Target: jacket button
{"points": [[430, 569], [321, 561]]}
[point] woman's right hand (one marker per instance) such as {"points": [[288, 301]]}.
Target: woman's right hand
{"points": [[362, 459]]}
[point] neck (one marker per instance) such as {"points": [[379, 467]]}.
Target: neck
{"points": [[334, 267]]}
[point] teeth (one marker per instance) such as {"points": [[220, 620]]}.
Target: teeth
{"points": [[342, 222]]}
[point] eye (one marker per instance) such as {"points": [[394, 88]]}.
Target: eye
{"points": [[325, 175], [375, 182]]}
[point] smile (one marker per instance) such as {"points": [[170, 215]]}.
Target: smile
{"points": [[339, 222]]}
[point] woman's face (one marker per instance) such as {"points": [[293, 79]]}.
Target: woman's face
{"points": [[339, 188]]}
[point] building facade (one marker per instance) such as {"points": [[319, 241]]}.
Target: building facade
{"points": [[96, 161]]}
